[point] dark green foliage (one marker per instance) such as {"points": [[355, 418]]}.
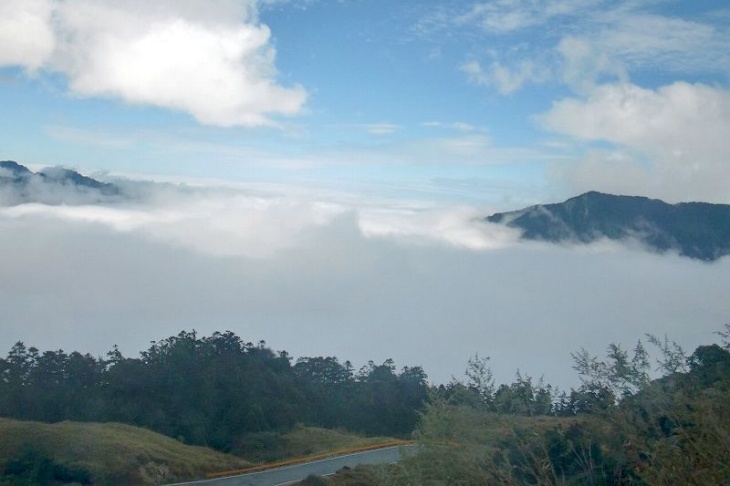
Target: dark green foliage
{"points": [[204, 391], [386, 402], [618, 428], [589, 399], [710, 365], [210, 391], [67, 383], [328, 387], [523, 398], [312, 480], [33, 467]]}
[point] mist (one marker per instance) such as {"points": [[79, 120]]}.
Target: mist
{"points": [[337, 275]]}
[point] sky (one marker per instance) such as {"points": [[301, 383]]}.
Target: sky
{"points": [[313, 172]]}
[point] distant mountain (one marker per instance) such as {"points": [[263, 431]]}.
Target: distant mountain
{"points": [[54, 185], [695, 229]]}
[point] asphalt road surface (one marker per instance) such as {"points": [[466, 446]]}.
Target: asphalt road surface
{"points": [[297, 472]]}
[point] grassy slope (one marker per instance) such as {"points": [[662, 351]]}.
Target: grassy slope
{"points": [[301, 441], [122, 454], [112, 453]]}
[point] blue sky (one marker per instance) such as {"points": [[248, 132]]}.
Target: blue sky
{"points": [[498, 103]]}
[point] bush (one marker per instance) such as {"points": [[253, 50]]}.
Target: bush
{"points": [[33, 467]]}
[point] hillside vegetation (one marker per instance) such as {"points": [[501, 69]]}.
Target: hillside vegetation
{"points": [[92, 453], [618, 428], [213, 391]]}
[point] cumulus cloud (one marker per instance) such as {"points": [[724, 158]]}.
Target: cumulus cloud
{"points": [[212, 60], [690, 115], [680, 128], [26, 34], [411, 282]]}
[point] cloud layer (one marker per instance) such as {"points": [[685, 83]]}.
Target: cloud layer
{"points": [[258, 223], [213, 60], [358, 279]]}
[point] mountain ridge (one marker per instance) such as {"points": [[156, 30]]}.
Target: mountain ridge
{"points": [[51, 185], [696, 230]]}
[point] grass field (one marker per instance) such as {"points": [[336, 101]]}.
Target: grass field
{"points": [[109, 453], [299, 442], [86, 453]]}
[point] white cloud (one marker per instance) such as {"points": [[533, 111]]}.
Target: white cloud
{"points": [[582, 43], [584, 62], [301, 4], [681, 114], [94, 138], [458, 126], [619, 42], [681, 128], [381, 128], [212, 60], [26, 34], [461, 227], [507, 16], [506, 78], [651, 40], [263, 222], [231, 225], [463, 146], [612, 172]]}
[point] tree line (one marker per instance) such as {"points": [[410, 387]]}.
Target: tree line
{"points": [[211, 390]]}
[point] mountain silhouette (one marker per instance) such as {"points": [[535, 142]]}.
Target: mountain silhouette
{"points": [[694, 229], [51, 185]]}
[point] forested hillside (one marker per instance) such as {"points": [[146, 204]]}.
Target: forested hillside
{"points": [[210, 390]]}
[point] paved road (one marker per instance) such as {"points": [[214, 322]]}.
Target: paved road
{"points": [[287, 474]]}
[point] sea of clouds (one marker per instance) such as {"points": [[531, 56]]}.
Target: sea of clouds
{"points": [[322, 273]]}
